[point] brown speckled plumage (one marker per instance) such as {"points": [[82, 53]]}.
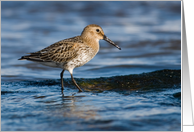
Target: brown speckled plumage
{"points": [[70, 53]]}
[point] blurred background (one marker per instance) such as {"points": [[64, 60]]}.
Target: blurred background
{"points": [[149, 34]]}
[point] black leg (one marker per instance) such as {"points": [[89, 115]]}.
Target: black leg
{"points": [[80, 90], [62, 87]]}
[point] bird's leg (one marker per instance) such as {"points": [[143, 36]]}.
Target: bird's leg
{"points": [[62, 87], [80, 90]]}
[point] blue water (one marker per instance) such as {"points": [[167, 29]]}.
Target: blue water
{"points": [[149, 34]]}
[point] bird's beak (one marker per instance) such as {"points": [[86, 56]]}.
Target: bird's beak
{"points": [[110, 41]]}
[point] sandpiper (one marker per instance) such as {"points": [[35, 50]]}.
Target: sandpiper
{"points": [[72, 52]]}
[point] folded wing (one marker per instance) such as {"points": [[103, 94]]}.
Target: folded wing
{"points": [[60, 52]]}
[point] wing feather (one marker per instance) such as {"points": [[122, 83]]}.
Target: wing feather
{"points": [[59, 52]]}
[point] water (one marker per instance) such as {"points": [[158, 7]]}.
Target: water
{"points": [[149, 34], [43, 108]]}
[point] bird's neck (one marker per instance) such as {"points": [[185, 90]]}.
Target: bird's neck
{"points": [[91, 42]]}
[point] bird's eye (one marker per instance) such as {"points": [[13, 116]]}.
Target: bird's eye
{"points": [[97, 30]]}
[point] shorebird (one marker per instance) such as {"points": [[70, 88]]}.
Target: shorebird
{"points": [[72, 52]]}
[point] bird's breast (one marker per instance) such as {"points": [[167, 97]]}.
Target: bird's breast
{"points": [[84, 55]]}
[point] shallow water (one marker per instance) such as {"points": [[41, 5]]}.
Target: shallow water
{"points": [[149, 34], [38, 107]]}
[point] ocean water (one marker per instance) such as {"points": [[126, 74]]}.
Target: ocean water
{"points": [[149, 34]]}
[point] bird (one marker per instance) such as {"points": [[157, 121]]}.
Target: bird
{"points": [[70, 53]]}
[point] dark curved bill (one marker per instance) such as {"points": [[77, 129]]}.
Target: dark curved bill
{"points": [[111, 42]]}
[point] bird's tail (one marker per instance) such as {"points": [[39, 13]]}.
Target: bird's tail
{"points": [[23, 58], [31, 57]]}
